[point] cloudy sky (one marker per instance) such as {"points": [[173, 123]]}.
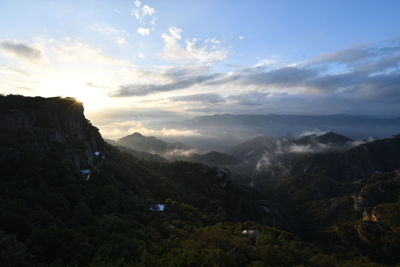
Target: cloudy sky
{"points": [[131, 62]]}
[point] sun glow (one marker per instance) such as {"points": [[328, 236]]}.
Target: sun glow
{"points": [[93, 98]]}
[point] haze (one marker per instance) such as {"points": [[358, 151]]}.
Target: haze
{"points": [[138, 64]]}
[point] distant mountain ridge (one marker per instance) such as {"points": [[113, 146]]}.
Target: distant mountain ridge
{"points": [[152, 145], [356, 127], [324, 138]]}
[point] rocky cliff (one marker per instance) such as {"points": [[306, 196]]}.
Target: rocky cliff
{"points": [[49, 125]]}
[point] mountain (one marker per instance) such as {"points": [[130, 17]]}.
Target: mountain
{"points": [[152, 145], [137, 154], [273, 157], [256, 145], [223, 131], [349, 200], [53, 214], [43, 126], [328, 138], [356, 163], [213, 159]]}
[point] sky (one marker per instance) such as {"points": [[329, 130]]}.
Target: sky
{"points": [[132, 62]]}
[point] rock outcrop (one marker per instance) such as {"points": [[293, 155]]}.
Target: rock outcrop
{"points": [[50, 125]]}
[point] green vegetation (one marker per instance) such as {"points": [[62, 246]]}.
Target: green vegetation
{"points": [[50, 216]]}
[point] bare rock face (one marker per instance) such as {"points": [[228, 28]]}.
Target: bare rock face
{"points": [[381, 188], [51, 125]]}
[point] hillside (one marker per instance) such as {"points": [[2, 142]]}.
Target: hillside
{"points": [[53, 214], [356, 163]]}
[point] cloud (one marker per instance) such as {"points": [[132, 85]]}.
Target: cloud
{"points": [[95, 85], [369, 83], [121, 129], [213, 41], [72, 68], [143, 31], [192, 50], [120, 41], [281, 77], [267, 81], [253, 98], [147, 11], [118, 122], [74, 51], [358, 54], [106, 29], [116, 34], [266, 61], [146, 89], [211, 98], [381, 64], [22, 51], [349, 55], [175, 32], [145, 15]]}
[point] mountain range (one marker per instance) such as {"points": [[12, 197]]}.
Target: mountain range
{"points": [[221, 132], [332, 207]]}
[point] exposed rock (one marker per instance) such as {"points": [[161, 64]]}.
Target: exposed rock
{"points": [[46, 125], [381, 188]]}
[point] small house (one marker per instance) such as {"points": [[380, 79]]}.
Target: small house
{"points": [[86, 174], [158, 207], [251, 233]]}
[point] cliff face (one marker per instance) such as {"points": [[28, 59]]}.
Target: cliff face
{"points": [[47, 125]]}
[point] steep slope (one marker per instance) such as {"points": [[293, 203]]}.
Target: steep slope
{"points": [[378, 232], [349, 200], [41, 126]]}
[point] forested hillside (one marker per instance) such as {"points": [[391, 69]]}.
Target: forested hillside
{"points": [[53, 213]]}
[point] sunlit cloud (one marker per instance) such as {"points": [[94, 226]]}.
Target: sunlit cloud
{"points": [[118, 35], [75, 51], [210, 98], [192, 51], [143, 31], [121, 41], [145, 15]]}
